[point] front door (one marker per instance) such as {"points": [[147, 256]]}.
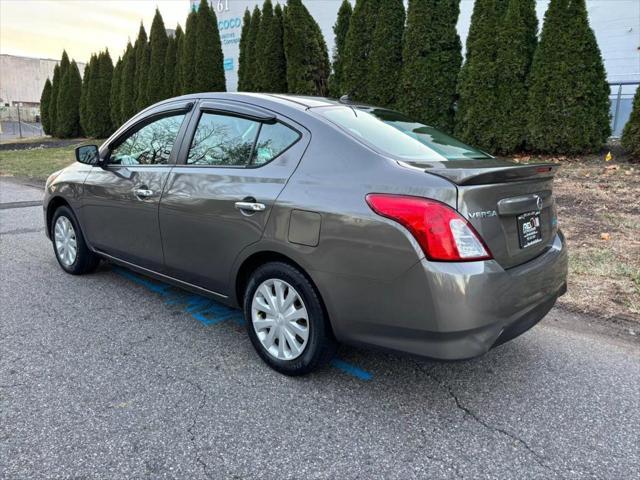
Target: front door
{"points": [[120, 212], [219, 196]]}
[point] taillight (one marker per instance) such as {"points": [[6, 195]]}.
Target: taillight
{"points": [[443, 233]]}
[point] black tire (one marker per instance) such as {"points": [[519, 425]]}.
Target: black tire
{"points": [[320, 346], [86, 261]]}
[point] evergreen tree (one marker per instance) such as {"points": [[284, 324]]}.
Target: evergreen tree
{"points": [[178, 41], [142, 69], [68, 109], [64, 67], [475, 119], [568, 93], [252, 52], [127, 84], [243, 56], [103, 117], [385, 64], [306, 52], [84, 95], [631, 133], [279, 35], [158, 42], [431, 62], [358, 45], [517, 43], [271, 65], [114, 97], [53, 103], [209, 58], [45, 100], [340, 29], [188, 55]]}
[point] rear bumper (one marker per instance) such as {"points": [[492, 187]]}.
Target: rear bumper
{"points": [[450, 311]]}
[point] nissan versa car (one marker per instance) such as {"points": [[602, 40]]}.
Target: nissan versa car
{"points": [[325, 221]]}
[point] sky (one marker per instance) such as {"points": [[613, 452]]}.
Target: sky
{"points": [[43, 28]]}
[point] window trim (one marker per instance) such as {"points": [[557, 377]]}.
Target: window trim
{"points": [[139, 124], [229, 112]]}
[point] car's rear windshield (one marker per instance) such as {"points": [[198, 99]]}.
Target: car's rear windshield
{"points": [[399, 136]]}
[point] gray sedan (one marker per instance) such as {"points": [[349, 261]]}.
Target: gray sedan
{"points": [[325, 221]]}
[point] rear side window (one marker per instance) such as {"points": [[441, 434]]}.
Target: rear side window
{"points": [[149, 145], [226, 140], [222, 140]]}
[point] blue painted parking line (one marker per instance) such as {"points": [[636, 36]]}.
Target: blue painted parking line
{"points": [[209, 312]]}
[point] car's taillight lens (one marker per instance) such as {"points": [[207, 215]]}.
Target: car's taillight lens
{"points": [[443, 233]]}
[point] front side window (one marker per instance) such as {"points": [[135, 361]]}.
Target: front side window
{"points": [[399, 136], [150, 145], [222, 140]]}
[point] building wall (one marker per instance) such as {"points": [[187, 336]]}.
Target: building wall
{"points": [[616, 24], [22, 78]]}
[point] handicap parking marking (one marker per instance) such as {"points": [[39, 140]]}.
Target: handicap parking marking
{"points": [[209, 312]]}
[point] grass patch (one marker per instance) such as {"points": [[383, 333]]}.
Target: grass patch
{"points": [[37, 163]]}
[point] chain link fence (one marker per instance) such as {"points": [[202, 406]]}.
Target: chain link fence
{"points": [[20, 122], [621, 105]]}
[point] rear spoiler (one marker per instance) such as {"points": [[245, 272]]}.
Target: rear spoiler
{"points": [[496, 174]]}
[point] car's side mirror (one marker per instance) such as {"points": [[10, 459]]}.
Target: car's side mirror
{"points": [[88, 154]]}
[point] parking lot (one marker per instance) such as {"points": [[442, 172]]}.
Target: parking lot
{"points": [[113, 375]]}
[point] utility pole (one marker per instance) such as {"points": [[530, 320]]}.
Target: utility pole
{"points": [[19, 122]]}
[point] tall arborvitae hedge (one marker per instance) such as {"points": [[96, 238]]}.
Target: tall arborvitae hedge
{"points": [[142, 69], [68, 108], [156, 87], [99, 124], [517, 41], [305, 50], [475, 118], [188, 55], [45, 100], [271, 66], [358, 45], [631, 132], [53, 104], [209, 58], [114, 97], [385, 64], [568, 93], [84, 95], [431, 62], [128, 84], [64, 67], [340, 29], [244, 54], [173, 52], [252, 84]]}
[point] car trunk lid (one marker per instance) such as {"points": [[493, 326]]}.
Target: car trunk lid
{"points": [[511, 206]]}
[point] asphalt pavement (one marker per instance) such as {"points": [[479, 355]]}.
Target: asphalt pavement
{"points": [[113, 375]]}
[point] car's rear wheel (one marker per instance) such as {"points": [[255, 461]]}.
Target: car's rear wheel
{"points": [[286, 321], [71, 250]]}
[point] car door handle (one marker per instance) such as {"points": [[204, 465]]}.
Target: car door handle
{"points": [[143, 192], [250, 206]]}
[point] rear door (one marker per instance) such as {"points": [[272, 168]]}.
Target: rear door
{"points": [[233, 164], [121, 198], [511, 206]]}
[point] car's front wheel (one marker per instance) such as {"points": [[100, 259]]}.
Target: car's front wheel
{"points": [[71, 250], [286, 321]]}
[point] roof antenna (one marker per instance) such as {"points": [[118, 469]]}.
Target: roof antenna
{"points": [[345, 99]]}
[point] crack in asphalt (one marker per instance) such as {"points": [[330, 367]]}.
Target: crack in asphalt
{"points": [[539, 459], [203, 401]]}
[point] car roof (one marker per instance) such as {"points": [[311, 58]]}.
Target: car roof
{"points": [[300, 102]]}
